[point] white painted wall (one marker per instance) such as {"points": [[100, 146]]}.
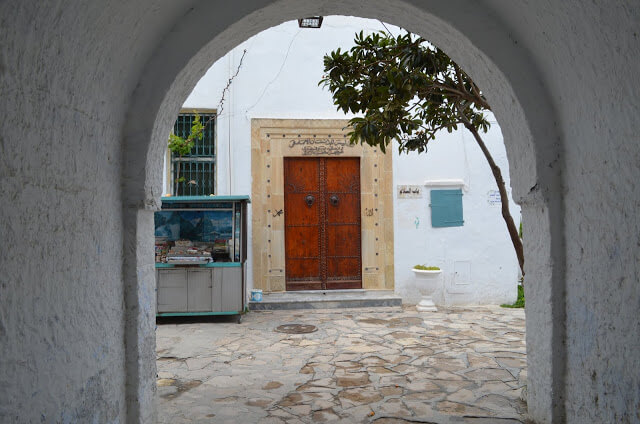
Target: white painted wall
{"points": [[482, 245], [279, 79]]}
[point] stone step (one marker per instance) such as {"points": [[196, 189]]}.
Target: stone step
{"points": [[326, 299]]}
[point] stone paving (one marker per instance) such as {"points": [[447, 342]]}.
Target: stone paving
{"points": [[383, 365]]}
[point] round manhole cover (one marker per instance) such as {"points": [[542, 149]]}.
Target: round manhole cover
{"points": [[296, 328]]}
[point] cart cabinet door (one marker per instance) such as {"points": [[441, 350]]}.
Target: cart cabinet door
{"points": [[199, 290], [216, 290], [172, 290], [232, 289]]}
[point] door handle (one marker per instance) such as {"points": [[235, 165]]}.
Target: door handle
{"points": [[334, 200], [309, 200]]}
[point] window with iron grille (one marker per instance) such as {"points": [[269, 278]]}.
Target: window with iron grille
{"points": [[195, 174]]}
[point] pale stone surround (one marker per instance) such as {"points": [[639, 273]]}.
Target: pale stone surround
{"points": [[274, 139]]}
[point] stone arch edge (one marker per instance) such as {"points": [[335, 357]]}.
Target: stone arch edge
{"points": [[473, 37]]}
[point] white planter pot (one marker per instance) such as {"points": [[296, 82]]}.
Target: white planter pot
{"points": [[427, 282]]}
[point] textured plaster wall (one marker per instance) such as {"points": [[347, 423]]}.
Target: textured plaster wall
{"points": [[61, 293], [79, 79], [66, 73], [595, 45]]}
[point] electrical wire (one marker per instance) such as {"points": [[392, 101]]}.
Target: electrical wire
{"points": [[266, 87]]}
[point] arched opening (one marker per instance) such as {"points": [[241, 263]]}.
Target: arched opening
{"points": [[481, 48]]}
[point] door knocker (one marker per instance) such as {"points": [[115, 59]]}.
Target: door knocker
{"points": [[309, 200]]}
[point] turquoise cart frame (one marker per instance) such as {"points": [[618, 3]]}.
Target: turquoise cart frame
{"points": [[216, 288]]}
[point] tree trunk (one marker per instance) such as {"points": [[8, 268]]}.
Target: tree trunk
{"points": [[504, 199]]}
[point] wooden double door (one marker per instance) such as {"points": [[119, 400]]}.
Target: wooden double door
{"points": [[322, 223]]}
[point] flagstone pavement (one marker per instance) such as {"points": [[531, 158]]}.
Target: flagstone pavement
{"points": [[382, 365]]}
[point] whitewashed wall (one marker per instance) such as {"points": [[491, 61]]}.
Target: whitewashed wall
{"points": [[480, 248], [279, 79]]}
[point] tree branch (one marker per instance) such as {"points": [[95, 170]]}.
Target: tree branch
{"points": [[504, 199]]}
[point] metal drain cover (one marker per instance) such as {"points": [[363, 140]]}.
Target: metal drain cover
{"points": [[296, 328]]}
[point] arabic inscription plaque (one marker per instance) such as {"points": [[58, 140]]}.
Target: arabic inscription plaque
{"points": [[409, 192]]}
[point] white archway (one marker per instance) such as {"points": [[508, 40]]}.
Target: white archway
{"points": [[86, 86], [473, 37]]}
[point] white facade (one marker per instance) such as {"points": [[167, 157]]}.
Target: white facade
{"points": [[478, 261], [279, 79]]}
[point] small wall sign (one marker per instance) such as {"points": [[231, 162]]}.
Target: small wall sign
{"points": [[493, 198], [409, 192]]}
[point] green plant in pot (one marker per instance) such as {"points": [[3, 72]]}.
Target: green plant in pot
{"points": [[426, 268]]}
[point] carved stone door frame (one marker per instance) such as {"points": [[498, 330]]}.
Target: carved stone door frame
{"points": [[274, 139]]}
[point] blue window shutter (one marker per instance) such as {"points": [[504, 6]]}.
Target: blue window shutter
{"points": [[446, 208]]}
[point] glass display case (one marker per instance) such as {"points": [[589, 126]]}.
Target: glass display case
{"points": [[200, 245]]}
